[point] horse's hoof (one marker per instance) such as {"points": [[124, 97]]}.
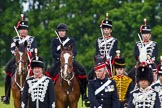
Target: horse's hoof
{"points": [[5, 100]]}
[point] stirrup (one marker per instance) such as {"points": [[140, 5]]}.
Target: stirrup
{"points": [[84, 97], [5, 100], [87, 103]]}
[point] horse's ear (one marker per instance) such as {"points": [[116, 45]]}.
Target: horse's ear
{"points": [[70, 47], [25, 43], [17, 44], [62, 47]]}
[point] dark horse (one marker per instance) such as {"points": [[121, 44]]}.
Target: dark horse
{"points": [[67, 88], [21, 73]]}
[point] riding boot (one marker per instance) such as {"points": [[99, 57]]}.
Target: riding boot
{"points": [[83, 86], [6, 99]]}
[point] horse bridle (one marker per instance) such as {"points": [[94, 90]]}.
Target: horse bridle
{"points": [[67, 78], [19, 70]]}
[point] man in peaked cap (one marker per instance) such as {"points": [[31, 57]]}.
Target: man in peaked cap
{"points": [[97, 59], [102, 91], [22, 27], [123, 82], [38, 91], [157, 86], [144, 96], [106, 45]]}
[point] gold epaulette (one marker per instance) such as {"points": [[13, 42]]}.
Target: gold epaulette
{"points": [[122, 83]]}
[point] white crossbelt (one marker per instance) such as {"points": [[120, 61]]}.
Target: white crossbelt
{"points": [[24, 39], [58, 47], [102, 87]]}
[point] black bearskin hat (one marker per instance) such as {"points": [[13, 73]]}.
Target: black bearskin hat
{"points": [[62, 26], [119, 62], [37, 62], [144, 73]]}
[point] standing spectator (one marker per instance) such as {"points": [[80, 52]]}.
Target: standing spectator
{"points": [[102, 91]]}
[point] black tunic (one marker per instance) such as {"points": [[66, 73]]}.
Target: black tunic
{"points": [[42, 96], [107, 98]]}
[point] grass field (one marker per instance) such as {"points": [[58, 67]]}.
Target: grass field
{"points": [[11, 100]]}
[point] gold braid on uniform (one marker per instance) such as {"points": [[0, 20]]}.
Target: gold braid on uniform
{"points": [[122, 83]]}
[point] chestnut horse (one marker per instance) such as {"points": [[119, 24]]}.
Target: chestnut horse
{"points": [[21, 73], [67, 88]]}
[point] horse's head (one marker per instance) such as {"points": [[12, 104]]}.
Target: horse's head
{"points": [[21, 57], [67, 63]]}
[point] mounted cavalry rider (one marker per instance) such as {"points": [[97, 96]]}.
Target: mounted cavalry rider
{"points": [[79, 70], [146, 49], [106, 45], [102, 91], [22, 36], [144, 96], [38, 91], [157, 86]]}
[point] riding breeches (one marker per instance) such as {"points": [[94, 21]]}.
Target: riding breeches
{"points": [[10, 66]]}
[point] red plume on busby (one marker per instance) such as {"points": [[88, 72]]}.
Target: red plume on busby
{"points": [[144, 73], [22, 24], [145, 28], [159, 68], [106, 23]]}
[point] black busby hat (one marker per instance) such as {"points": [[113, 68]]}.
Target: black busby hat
{"points": [[106, 23], [22, 25], [37, 62], [144, 73], [119, 62], [62, 26], [99, 59], [145, 28]]}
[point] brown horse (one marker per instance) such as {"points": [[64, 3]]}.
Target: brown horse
{"points": [[67, 88], [21, 72]]}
